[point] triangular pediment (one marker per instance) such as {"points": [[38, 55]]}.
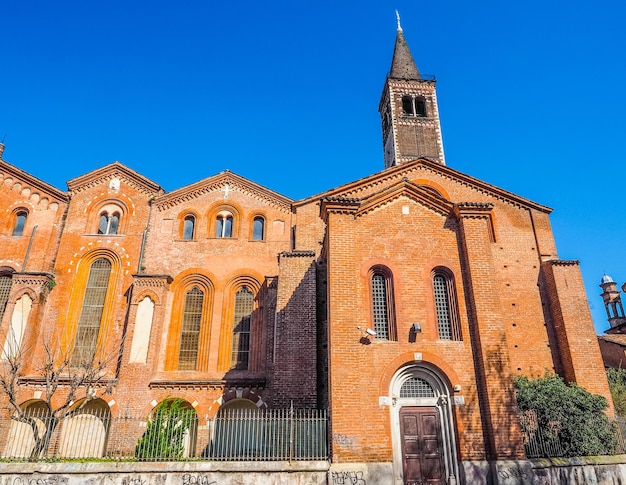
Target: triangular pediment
{"points": [[420, 169], [225, 183], [422, 195], [11, 175], [108, 174], [405, 188]]}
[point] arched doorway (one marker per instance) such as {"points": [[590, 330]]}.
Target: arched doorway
{"points": [[424, 448]]}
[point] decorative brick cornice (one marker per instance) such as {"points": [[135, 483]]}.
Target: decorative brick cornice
{"points": [[297, 254], [152, 281], [210, 384], [38, 382], [217, 183], [562, 262], [111, 171], [339, 205], [473, 210], [411, 170], [42, 280], [46, 192], [408, 189]]}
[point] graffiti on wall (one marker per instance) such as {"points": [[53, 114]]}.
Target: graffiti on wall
{"points": [[348, 478]]}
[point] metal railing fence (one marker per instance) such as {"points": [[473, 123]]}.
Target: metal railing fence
{"points": [[232, 435], [547, 441]]}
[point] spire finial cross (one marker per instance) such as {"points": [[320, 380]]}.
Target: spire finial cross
{"points": [[398, 19]]}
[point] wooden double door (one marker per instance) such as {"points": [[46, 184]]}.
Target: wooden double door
{"points": [[422, 446]]}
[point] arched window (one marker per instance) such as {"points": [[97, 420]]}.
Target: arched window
{"points": [[224, 224], [190, 329], [20, 222], [414, 105], [5, 289], [189, 224], [382, 304], [407, 105], [258, 229], [446, 306], [244, 303], [91, 313], [109, 223]]}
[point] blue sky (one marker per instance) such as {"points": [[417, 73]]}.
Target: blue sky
{"points": [[531, 98]]}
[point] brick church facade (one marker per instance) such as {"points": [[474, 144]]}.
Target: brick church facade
{"points": [[404, 302]]}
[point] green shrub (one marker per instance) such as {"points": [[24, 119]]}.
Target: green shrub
{"points": [[568, 414], [165, 434], [617, 384]]}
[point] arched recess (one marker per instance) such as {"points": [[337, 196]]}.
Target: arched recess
{"points": [[174, 424], [422, 424], [241, 329], [23, 435], [84, 433], [142, 330], [80, 294], [17, 328], [236, 432], [190, 323]]}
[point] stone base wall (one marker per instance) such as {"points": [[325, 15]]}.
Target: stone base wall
{"points": [[604, 470]]}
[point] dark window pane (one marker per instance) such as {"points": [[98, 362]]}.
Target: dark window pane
{"points": [[188, 228], [114, 223], [228, 227], [219, 225], [20, 221], [257, 232], [407, 105], [104, 223]]}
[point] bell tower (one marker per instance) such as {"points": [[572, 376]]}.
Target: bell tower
{"points": [[408, 110]]}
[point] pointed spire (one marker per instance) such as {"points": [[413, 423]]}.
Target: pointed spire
{"points": [[402, 65]]}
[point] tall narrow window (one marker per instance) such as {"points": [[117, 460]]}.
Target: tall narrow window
{"points": [[381, 305], [258, 229], [445, 306], [407, 105], [91, 313], [188, 228], [109, 223], [5, 289], [244, 302], [20, 222], [224, 225], [190, 331]]}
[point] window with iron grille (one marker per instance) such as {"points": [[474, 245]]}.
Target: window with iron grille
{"points": [[445, 306], [20, 222], [416, 387], [5, 289], [380, 306], [91, 313], [190, 331], [244, 303]]}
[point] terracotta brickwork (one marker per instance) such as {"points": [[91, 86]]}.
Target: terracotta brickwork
{"points": [[418, 292]]}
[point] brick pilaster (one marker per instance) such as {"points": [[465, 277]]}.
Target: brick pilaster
{"points": [[502, 432]]}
